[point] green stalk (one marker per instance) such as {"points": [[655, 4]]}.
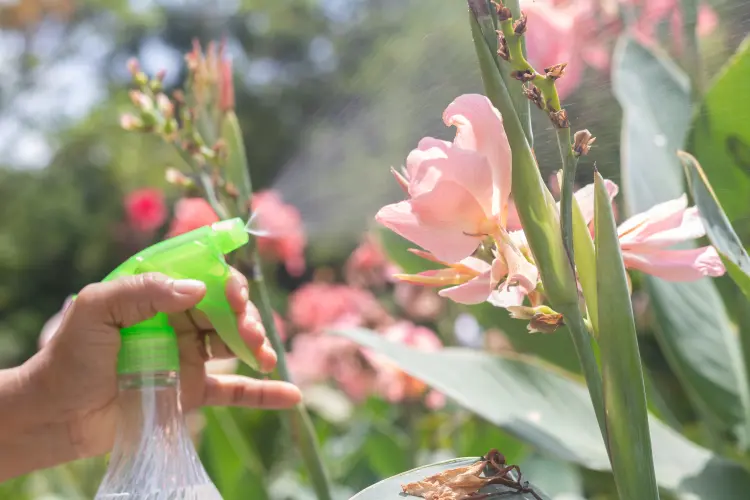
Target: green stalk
{"points": [[539, 217], [302, 429], [301, 425], [550, 102]]}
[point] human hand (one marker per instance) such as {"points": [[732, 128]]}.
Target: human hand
{"points": [[65, 396]]}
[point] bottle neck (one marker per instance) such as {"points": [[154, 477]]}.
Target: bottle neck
{"points": [[153, 451]]}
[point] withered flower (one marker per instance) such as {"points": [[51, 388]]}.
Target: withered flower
{"points": [[533, 94], [582, 141], [503, 12], [519, 27], [542, 319], [556, 71], [523, 75], [559, 118], [502, 46]]}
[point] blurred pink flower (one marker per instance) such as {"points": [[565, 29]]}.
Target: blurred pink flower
{"points": [[458, 192], [560, 32], [286, 237], [316, 306], [582, 32], [418, 303], [652, 13], [191, 214], [392, 383], [146, 210], [368, 265]]}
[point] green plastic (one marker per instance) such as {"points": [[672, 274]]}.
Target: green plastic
{"points": [[199, 255]]}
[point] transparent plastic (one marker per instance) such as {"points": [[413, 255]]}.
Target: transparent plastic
{"points": [[154, 457]]}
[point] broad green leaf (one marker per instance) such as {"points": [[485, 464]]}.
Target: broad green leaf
{"points": [[552, 411], [692, 326], [719, 229], [720, 138], [391, 488], [622, 373]]}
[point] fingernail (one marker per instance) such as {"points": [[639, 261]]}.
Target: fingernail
{"points": [[188, 286]]}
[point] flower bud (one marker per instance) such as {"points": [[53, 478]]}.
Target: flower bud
{"points": [[165, 106], [174, 176], [130, 122], [141, 101], [133, 66]]}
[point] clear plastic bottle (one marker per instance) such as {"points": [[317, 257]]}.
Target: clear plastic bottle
{"points": [[154, 457]]}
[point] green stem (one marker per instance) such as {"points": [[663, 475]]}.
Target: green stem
{"points": [[302, 428], [692, 55], [550, 102], [570, 162], [582, 343]]}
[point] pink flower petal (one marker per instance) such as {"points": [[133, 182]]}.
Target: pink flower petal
{"points": [[439, 221], [662, 225], [474, 291], [585, 198], [480, 128], [676, 265], [507, 297], [521, 272]]}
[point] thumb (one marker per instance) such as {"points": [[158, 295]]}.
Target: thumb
{"points": [[129, 300]]}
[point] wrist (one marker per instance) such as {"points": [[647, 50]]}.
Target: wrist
{"points": [[31, 437]]}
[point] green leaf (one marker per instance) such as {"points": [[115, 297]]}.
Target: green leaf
{"points": [[229, 458], [622, 373], [550, 410], [730, 249], [719, 229], [391, 488], [692, 326], [720, 138]]}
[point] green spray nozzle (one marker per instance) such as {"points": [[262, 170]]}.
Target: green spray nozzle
{"points": [[151, 345]]}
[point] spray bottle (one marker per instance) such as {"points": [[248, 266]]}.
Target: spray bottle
{"points": [[153, 456]]}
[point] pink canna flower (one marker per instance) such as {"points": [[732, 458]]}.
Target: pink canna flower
{"points": [[285, 239], [646, 238], [458, 192], [190, 214], [145, 209]]}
